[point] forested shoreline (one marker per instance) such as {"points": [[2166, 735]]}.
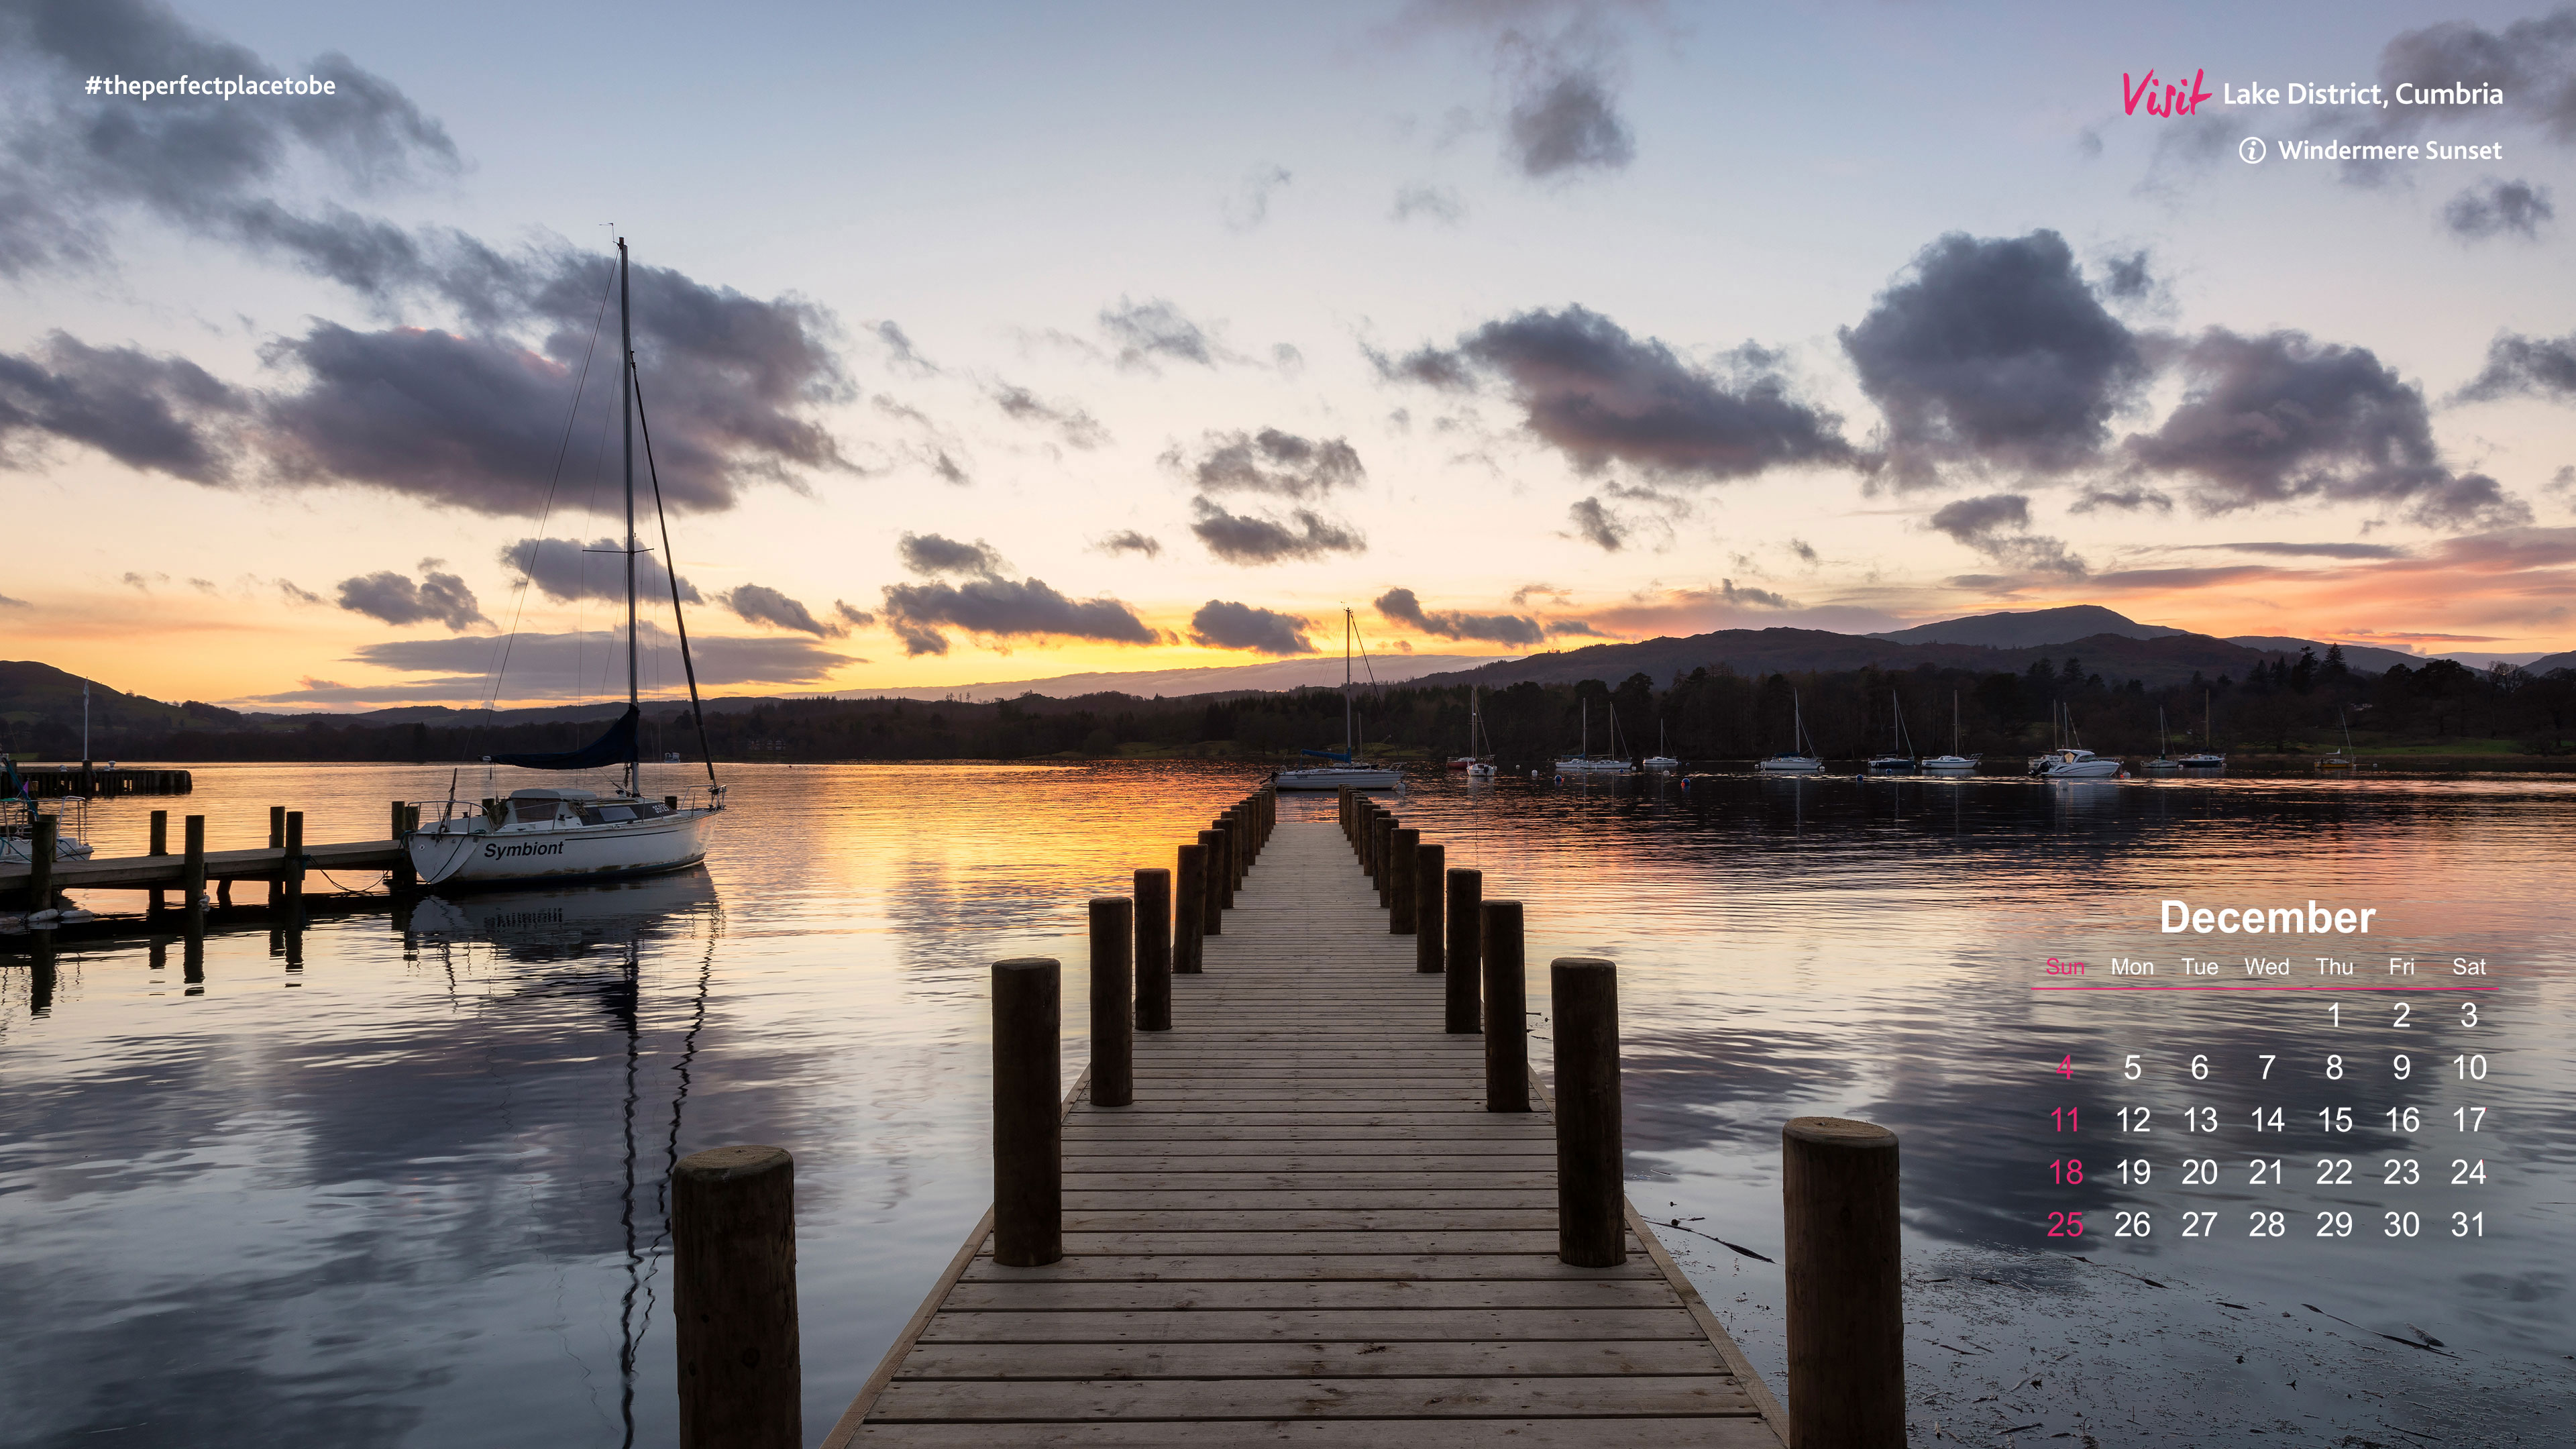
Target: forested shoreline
{"points": [[1708, 714]]}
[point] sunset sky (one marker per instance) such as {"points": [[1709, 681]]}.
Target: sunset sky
{"points": [[992, 342]]}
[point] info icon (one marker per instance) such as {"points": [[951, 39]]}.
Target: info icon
{"points": [[2251, 148]]}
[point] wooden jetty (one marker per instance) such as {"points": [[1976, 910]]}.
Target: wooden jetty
{"points": [[288, 856], [1308, 1228], [90, 780]]}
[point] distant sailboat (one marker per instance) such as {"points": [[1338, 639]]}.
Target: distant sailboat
{"points": [[2204, 758], [1479, 754], [1659, 762], [2341, 759], [1900, 760], [1584, 762], [1952, 763], [1347, 772], [1801, 757], [2162, 764]]}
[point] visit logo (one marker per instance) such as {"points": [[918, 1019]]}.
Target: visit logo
{"points": [[2173, 100]]}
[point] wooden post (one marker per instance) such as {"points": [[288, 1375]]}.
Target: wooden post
{"points": [[192, 875], [295, 863], [1430, 891], [1465, 954], [1189, 911], [733, 1299], [1153, 950], [1379, 864], [1846, 1301], [1399, 880], [1506, 1008], [41, 839], [1591, 1196], [160, 832], [1113, 1001], [1212, 885], [1028, 1139], [276, 841], [396, 813]]}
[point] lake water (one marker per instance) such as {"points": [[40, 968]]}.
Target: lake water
{"points": [[407, 1189]]}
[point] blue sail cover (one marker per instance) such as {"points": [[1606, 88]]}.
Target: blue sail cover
{"points": [[613, 748], [1342, 755]]}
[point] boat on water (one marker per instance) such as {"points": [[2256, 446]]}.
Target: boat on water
{"points": [[557, 834], [1346, 772], [1660, 763], [1952, 763], [1584, 762], [1479, 766], [1801, 758], [2203, 758], [2163, 763], [1899, 760], [2070, 760], [2344, 758]]}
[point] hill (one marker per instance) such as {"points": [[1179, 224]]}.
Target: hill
{"points": [[2168, 659], [2028, 629]]}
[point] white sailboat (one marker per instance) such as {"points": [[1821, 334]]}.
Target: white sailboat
{"points": [[1479, 760], [1347, 772], [1587, 763], [2204, 758], [2342, 759], [1801, 758], [2163, 763], [1659, 762], [1952, 763], [556, 834]]}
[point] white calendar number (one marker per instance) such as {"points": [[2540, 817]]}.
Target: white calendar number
{"points": [[2403, 1172], [2334, 1225], [2199, 1225], [2465, 1173], [2333, 1171], [2472, 1068], [2131, 1224], [2267, 1224], [2401, 1225], [2402, 1065], [2264, 1172], [2200, 1172]]}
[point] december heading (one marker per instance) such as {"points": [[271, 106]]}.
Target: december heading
{"points": [[2309, 920]]}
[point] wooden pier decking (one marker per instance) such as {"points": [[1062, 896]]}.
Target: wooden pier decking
{"points": [[167, 872], [1308, 1230]]}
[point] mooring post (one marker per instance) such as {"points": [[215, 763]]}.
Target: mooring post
{"points": [[733, 1299], [1227, 839], [1591, 1224], [40, 861], [192, 959], [276, 841], [1028, 1145], [1113, 1001], [1211, 885], [1189, 911], [192, 874], [1239, 833], [1154, 950], [1380, 865], [1845, 1293], [295, 864], [1506, 1009], [1430, 893], [1399, 880], [160, 846], [1465, 955]]}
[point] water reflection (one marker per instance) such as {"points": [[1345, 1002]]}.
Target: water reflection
{"points": [[418, 1197]]}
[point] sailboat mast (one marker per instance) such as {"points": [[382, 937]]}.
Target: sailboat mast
{"points": [[1349, 757], [626, 431]]}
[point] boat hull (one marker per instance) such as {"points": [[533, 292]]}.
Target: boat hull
{"points": [[1949, 765], [1589, 766], [566, 853], [2082, 770], [1791, 765]]}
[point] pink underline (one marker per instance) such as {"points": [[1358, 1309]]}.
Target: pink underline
{"points": [[2268, 988]]}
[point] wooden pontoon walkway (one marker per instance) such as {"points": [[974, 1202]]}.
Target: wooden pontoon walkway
{"points": [[1308, 1230]]}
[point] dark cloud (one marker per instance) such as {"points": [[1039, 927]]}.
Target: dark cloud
{"points": [[1153, 331], [2280, 418], [2519, 366], [1005, 609], [760, 604], [395, 599], [930, 554], [565, 569], [1599, 524], [1805, 551], [199, 162], [850, 617], [1994, 353], [1527, 592], [1580, 627], [1128, 540], [2128, 498], [551, 665], [899, 348], [1569, 121], [1421, 198], [2127, 278], [295, 594], [1998, 526], [163, 414], [2495, 208], [1602, 396], [1270, 461], [7, 602], [1249, 206], [1222, 624], [1752, 597], [1069, 422], [949, 470], [2532, 61], [1400, 606], [2302, 550], [1240, 538]]}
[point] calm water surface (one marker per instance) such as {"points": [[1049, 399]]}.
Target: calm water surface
{"points": [[370, 1188]]}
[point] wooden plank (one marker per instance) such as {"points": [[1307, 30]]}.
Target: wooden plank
{"points": [[970, 1297], [1383, 1197], [1324, 1180], [1393, 1325], [1641, 1433], [1308, 1266], [1206, 1400], [1166, 1241], [1358, 1222], [1275, 1360]]}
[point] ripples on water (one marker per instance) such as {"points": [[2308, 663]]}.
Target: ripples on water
{"points": [[366, 1188]]}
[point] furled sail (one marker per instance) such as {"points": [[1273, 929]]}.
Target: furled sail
{"points": [[613, 748]]}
